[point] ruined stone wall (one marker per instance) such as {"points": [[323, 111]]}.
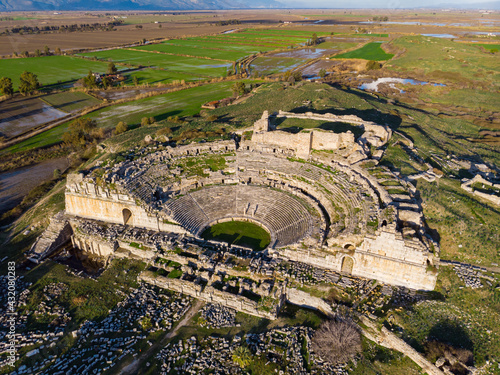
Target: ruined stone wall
{"points": [[385, 257], [109, 210], [96, 246], [209, 294], [389, 340], [300, 142], [467, 186], [324, 140]]}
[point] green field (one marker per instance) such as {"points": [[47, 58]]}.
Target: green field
{"points": [[446, 60], [213, 68], [221, 54], [240, 233], [212, 42], [180, 103], [70, 101], [50, 69], [370, 51], [152, 76]]}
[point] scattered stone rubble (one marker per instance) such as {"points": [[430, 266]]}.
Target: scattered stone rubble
{"points": [[282, 347], [469, 275], [214, 315], [98, 348]]}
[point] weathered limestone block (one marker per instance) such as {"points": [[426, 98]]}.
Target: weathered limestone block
{"points": [[301, 298]]}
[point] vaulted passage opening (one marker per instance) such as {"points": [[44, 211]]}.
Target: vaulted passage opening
{"points": [[127, 216]]}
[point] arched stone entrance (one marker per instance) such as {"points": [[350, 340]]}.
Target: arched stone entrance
{"points": [[347, 265], [127, 216]]}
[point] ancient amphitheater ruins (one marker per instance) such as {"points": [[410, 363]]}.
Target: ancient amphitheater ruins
{"points": [[319, 194]]}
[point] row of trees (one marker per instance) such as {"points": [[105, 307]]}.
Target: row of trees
{"points": [[64, 28], [28, 83]]}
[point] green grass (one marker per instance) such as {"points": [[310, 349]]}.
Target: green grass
{"points": [[221, 54], [180, 103], [50, 69], [489, 47], [240, 233], [445, 60], [370, 51], [213, 68], [208, 42], [70, 101], [294, 125], [155, 76], [468, 318]]}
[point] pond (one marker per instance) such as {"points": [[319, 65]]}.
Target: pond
{"points": [[448, 36], [373, 86]]}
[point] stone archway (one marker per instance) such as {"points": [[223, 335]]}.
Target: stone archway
{"points": [[347, 265], [127, 216]]}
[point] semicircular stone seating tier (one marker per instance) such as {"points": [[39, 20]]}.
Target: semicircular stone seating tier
{"points": [[285, 217], [344, 197]]}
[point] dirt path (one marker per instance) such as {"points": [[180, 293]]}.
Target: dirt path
{"points": [[133, 367]]}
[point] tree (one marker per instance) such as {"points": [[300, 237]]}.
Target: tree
{"points": [[314, 39], [107, 81], [297, 76], [57, 174], [38, 53], [135, 80], [242, 356], [46, 51], [112, 68], [28, 83], [90, 81], [121, 127], [322, 73], [80, 132], [239, 88], [57, 51], [337, 340], [6, 86]]}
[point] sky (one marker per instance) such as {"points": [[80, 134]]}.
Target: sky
{"points": [[392, 4]]}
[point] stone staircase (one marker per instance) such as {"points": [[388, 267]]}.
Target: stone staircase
{"points": [[57, 233]]}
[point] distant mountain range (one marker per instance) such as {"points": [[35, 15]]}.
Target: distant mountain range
{"points": [[48, 5], [87, 5]]}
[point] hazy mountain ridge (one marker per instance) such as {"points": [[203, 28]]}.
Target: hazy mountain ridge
{"points": [[22, 5]]}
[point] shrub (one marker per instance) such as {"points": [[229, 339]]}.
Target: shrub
{"points": [[121, 127], [164, 131], [373, 65], [337, 341]]}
